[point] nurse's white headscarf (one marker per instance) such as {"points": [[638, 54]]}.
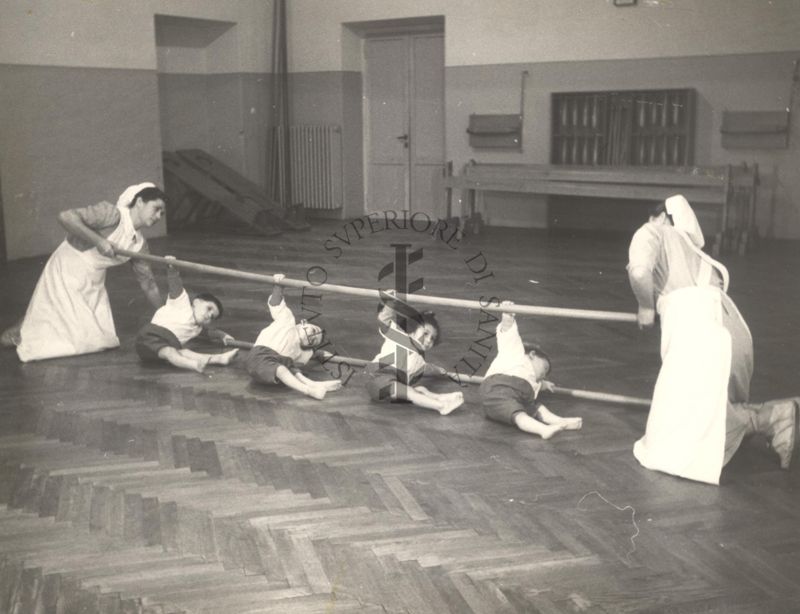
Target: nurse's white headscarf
{"points": [[684, 219], [126, 198]]}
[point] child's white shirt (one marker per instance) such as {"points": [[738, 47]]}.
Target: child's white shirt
{"points": [[391, 355], [177, 316], [282, 336], [512, 359]]}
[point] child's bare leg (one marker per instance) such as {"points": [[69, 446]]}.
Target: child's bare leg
{"points": [[530, 424], [329, 385], [443, 395], [177, 359], [202, 359], [289, 379], [548, 417], [444, 404], [224, 358], [457, 394]]}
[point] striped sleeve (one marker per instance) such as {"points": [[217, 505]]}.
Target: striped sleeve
{"points": [[99, 216]]}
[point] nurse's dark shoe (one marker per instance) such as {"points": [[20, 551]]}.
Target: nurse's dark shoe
{"points": [[10, 337]]}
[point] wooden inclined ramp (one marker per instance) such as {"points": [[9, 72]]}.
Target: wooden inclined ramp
{"points": [[287, 218], [204, 188], [197, 197]]}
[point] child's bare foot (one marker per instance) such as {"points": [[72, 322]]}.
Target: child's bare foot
{"points": [[331, 385], [200, 364], [450, 404], [225, 358], [571, 424], [550, 429], [316, 391]]}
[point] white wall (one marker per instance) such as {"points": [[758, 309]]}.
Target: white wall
{"points": [[121, 33], [480, 32]]}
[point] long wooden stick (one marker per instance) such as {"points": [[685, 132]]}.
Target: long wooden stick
{"points": [[477, 379], [605, 397], [530, 310], [591, 395]]}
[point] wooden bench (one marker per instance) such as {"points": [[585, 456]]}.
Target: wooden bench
{"points": [[731, 188]]}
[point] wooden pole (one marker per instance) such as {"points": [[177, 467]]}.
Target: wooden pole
{"points": [[477, 379], [605, 397], [591, 395], [528, 310]]}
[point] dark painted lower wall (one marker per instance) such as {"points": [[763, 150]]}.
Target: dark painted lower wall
{"points": [[756, 82], [229, 115], [738, 82], [71, 137], [223, 114], [335, 98], [75, 136]]}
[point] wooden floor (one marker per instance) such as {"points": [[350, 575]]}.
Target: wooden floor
{"points": [[127, 488]]}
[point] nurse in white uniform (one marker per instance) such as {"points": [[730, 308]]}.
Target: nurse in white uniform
{"points": [[69, 312], [699, 413]]}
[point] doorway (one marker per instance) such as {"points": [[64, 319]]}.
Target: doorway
{"points": [[404, 121]]}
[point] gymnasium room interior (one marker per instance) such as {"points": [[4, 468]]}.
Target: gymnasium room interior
{"points": [[460, 153]]}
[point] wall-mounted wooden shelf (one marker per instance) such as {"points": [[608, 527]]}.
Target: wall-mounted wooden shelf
{"points": [[755, 129], [495, 131]]}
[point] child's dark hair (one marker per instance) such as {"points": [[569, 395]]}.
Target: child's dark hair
{"points": [[534, 348], [207, 296], [410, 324], [149, 194], [426, 318]]}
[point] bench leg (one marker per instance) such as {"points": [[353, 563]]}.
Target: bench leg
{"points": [[717, 247], [473, 224]]}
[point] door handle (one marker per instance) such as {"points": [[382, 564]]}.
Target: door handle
{"points": [[404, 138]]}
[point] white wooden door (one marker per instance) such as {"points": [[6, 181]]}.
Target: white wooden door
{"points": [[404, 87]]}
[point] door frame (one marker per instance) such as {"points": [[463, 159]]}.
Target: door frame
{"points": [[391, 29]]}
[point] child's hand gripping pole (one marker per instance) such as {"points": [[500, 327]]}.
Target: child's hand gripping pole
{"points": [[277, 290], [508, 318], [174, 282]]}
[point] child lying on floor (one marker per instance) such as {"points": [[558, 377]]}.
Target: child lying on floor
{"points": [[513, 381], [284, 346], [394, 372], [178, 321]]}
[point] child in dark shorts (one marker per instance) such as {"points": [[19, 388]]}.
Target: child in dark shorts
{"points": [[284, 346], [394, 372], [513, 381], [178, 321]]}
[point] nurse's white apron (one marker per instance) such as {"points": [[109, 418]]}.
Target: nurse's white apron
{"points": [[69, 312], [685, 433]]}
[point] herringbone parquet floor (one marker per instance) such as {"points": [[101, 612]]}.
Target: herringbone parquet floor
{"points": [[127, 488]]}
